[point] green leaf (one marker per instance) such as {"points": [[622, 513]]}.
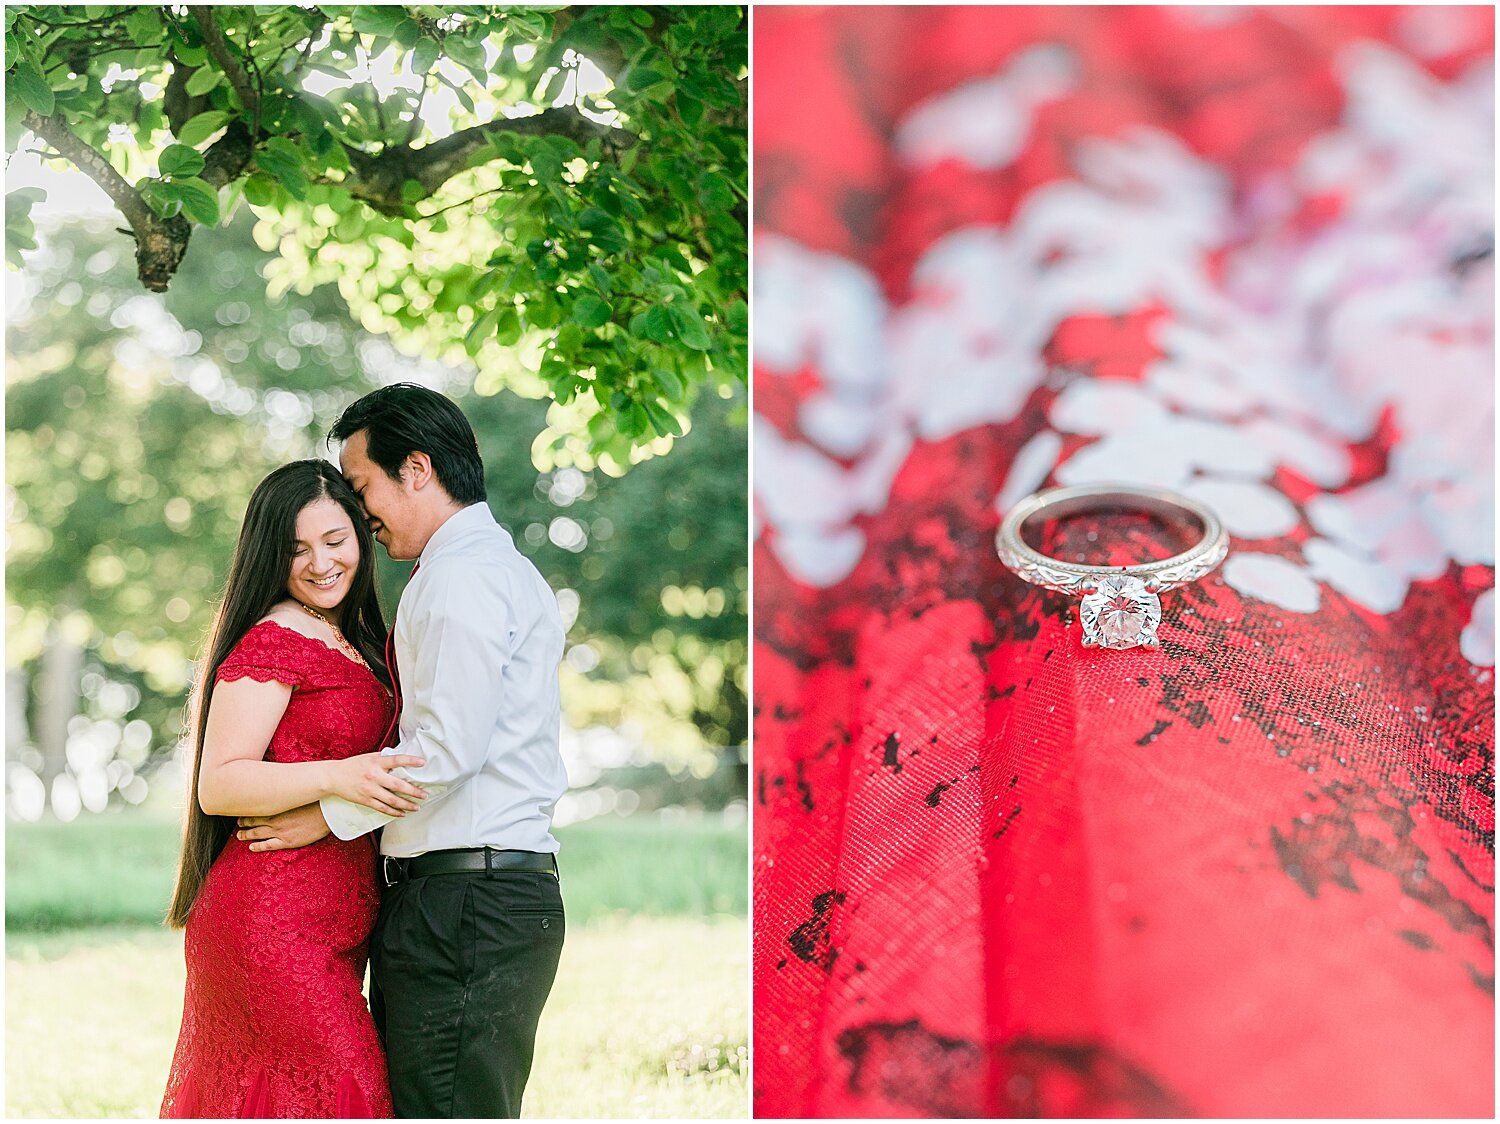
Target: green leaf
{"points": [[144, 25], [293, 182], [600, 276], [508, 327], [282, 159], [657, 325], [635, 421], [481, 331], [424, 56], [670, 381], [163, 198], [284, 148], [203, 126], [532, 26], [15, 110], [199, 200], [556, 370], [546, 164], [260, 189], [641, 78], [27, 84], [691, 109], [591, 311], [379, 20], [662, 420], [737, 318], [408, 34], [20, 233], [689, 327], [717, 21], [178, 160], [412, 191], [465, 52], [203, 80]]}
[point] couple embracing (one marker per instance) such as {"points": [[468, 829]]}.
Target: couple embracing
{"points": [[283, 889]]}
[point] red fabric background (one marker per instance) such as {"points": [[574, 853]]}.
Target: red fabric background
{"points": [[997, 874]]}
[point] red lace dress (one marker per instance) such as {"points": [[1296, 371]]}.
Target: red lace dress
{"points": [[274, 1022]]}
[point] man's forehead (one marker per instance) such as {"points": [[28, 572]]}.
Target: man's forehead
{"points": [[350, 462]]}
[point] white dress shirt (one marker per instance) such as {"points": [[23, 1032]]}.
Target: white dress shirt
{"points": [[478, 642]]}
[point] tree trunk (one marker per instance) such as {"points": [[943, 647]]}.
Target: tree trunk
{"points": [[57, 686]]}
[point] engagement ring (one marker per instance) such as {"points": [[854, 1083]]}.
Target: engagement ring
{"points": [[1120, 605]]}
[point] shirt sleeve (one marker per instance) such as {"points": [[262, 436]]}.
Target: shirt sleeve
{"points": [[348, 820], [452, 648]]}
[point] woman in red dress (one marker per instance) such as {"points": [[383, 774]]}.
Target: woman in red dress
{"points": [[292, 704]]}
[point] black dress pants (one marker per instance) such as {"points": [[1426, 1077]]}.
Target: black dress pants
{"points": [[460, 967]]}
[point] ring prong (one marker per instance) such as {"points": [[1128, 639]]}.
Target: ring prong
{"points": [[1088, 585], [1153, 585]]}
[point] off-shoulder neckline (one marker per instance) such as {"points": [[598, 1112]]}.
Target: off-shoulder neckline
{"points": [[330, 649]]}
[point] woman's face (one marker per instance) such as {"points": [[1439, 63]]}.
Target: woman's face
{"points": [[325, 557]]}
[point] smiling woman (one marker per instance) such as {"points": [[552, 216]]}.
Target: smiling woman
{"points": [[284, 718], [324, 559]]}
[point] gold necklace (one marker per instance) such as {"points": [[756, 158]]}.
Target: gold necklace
{"points": [[339, 636]]}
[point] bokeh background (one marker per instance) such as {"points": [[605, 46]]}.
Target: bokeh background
{"points": [[137, 425], [1244, 253], [136, 428]]}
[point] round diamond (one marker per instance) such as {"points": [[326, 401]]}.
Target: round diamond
{"points": [[1121, 613]]}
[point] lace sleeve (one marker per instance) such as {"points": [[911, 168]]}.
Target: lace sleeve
{"points": [[268, 651]]}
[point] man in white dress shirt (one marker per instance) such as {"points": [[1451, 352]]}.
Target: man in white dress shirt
{"points": [[471, 922]]}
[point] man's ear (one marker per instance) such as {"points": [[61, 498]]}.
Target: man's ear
{"points": [[419, 470]]}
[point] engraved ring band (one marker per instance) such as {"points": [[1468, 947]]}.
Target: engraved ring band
{"points": [[1120, 605]]}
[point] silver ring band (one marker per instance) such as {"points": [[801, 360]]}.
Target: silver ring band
{"points": [[1120, 607], [1066, 577]]}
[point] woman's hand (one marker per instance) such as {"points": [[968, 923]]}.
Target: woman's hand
{"points": [[368, 780]]}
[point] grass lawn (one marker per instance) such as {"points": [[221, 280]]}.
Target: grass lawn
{"points": [[649, 1018], [118, 869]]}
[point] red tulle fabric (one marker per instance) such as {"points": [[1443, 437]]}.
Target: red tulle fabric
{"points": [[275, 1024], [1239, 251]]}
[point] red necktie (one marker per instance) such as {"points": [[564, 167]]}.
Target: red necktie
{"points": [[390, 663]]}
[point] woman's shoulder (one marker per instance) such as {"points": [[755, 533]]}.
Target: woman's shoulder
{"points": [[278, 639]]}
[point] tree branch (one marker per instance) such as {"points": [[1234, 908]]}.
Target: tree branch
{"points": [[98, 21], [177, 104], [228, 157], [218, 47], [313, 34], [378, 179], [159, 243]]}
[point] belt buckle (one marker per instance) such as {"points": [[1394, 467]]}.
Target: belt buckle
{"points": [[387, 864]]}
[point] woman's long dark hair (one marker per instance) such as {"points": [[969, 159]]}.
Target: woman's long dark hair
{"points": [[257, 581]]}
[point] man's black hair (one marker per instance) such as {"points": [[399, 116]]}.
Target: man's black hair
{"points": [[404, 418]]}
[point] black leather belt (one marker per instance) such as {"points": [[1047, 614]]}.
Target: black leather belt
{"points": [[465, 860]]}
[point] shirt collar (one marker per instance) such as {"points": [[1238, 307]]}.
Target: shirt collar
{"points": [[472, 518]]}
